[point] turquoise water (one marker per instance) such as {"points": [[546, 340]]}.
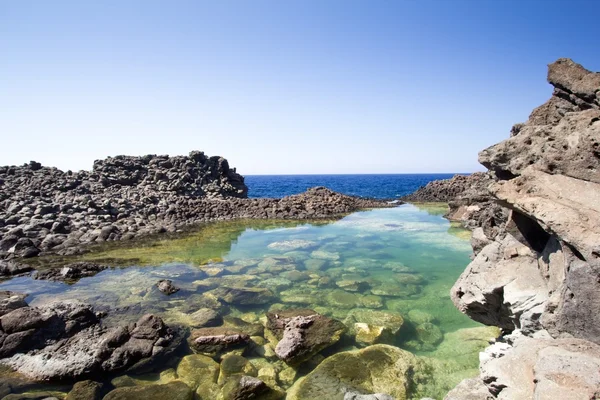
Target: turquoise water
{"points": [[400, 261]]}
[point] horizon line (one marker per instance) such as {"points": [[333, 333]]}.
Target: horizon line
{"points": [[374, 173]]}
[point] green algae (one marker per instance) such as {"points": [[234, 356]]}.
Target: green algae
{"points": [[433, 208], [457, 229]]}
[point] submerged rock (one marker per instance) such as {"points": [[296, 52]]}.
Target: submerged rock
{"points": [[315, 264], [85, 390], [289, 245], [200, 373], [343, 299], [429, 334], [173, 391], [325, 255], [233, 364], [418, 317], [244, 295], [70, 272], [380, 369], [206, 317], [246, 387], [371, 327], [214, 341]]}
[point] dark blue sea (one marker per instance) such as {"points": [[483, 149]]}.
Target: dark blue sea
{"points": [[375, 186]]}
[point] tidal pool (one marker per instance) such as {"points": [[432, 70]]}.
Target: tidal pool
{"points": [[386, 266]]}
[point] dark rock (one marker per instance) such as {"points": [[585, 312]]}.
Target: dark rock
{"points": [[12, 268], [10, 301], [166, 286], [66, 341], [302, 333], [70, 272]]}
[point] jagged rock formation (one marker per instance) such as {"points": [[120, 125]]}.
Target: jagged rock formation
{"points": [[539, 275], [45, 210], [459, 186], [66, 340]]}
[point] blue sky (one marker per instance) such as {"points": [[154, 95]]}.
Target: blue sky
{"points": [[280, 87]]}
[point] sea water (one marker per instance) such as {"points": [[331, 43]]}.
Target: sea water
{"points": [[382, 186]]}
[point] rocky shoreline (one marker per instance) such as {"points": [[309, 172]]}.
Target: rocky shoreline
{"points": [[47, 211], [536, 232], [535, 275]]}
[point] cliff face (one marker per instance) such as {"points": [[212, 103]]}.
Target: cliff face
{"points": [[538, 275]]}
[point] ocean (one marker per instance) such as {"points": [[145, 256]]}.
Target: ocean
{"points": [[383, 186]]}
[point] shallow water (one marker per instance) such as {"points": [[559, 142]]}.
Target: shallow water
{"points": [[401, 260]]}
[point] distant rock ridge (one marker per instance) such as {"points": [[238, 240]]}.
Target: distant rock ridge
{"points": [[459, 186], [536, 274], [44, 210]]}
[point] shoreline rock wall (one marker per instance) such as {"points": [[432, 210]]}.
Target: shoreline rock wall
{"points": [[44, 210], [537, 275]]}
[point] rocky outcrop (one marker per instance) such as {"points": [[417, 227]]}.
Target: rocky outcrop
{"points": [[538, 276], [302, 333], [473, 186], [66, 340], [44, 210], [71, 272]]}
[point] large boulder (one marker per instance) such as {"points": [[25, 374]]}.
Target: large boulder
{"points": [[379, 369], [302, 333]]}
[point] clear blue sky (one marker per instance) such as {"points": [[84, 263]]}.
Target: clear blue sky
{"points": [[280, 87]]}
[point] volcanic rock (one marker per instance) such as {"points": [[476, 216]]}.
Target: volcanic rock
{"points": [[302, 333]]}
